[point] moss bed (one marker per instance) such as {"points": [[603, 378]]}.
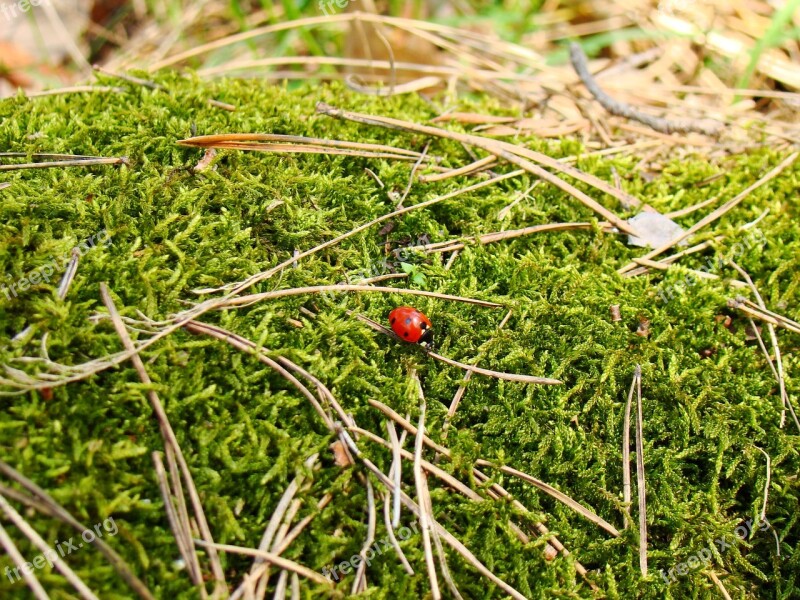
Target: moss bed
{"points": [[710, 399]]}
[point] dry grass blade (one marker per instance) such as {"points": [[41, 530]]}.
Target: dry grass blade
{"points": [[405, 424], [579, 508], [45, 504], [45, 549], [250, 347], [451, 411], [764, 314], [786, 401], [451, 481], [360, 582], [730, 204], [322, 389], [280, 587], [273, 559], [488, 238], [294, 143], [183, 536], [496, 374], [130, 78], [553, 492], [552, 541], [395, 472], [465, 170], [487, 372], [640, 484], [80, 162], [69, 274], [449, 539], [298, 529], [275, 521], [318, 289], [516, 155], [713, 577], [421, 483], [674, 257], [167, 433], [16, 558], [77, 89], [454, 483], [763, 516], [387, 521], [626, 451]]}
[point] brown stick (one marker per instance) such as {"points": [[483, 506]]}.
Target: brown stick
{"points": [[621, 109]]}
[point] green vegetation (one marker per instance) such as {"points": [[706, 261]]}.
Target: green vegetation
{"points": [[710, 399]]}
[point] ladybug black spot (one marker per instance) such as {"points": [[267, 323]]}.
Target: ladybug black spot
{"points": [[423, 325], [405, 334], [393, 320]]}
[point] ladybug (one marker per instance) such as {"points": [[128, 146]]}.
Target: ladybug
{"points": [[411, 325]]}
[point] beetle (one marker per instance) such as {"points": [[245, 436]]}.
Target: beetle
{"points": [[411, 325]]}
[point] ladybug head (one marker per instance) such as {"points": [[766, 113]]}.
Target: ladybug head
{"points": [[426, 339]]}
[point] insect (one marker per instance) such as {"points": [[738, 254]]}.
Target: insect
{"points": [[411, 325]]}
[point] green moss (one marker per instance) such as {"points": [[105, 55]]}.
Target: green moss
{"points": [[246, 433]]}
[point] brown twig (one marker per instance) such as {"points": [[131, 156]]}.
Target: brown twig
{"points": [[620, 109]]}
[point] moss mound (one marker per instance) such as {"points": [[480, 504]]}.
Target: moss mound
{"points": [[710, 399]]}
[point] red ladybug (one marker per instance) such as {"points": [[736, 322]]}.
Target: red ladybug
{"points": [[411, 325]]}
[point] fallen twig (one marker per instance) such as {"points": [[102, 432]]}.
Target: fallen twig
{"points": [[620, 109]]}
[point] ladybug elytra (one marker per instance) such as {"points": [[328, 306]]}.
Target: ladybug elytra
{"points": [[411, 325]]}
